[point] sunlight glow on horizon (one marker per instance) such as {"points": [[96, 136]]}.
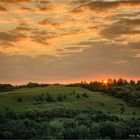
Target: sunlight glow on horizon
{"points": [[102, 80]]}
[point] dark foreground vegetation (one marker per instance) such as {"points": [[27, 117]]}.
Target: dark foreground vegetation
{"points": [[128, 91], [62, 123]]}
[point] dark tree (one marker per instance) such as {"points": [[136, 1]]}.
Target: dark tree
{"points": [[6, 87]]}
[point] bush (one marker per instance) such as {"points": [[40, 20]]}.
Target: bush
{"points": [[49, 98], [102, 104], [39, 99], [64, 96], [60, 98], [108, 112], [107, 129], [19, 100], [82, 132], [73, 92], [85, 95], [122, 109], [134, 113], [77, 96], [57, 129]]}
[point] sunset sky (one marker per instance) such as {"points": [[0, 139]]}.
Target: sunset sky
{"points": [[69, 40]]}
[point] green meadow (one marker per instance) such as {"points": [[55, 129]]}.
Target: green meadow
{"points": [[95, 100]]}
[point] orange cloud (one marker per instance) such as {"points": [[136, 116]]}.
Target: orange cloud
{"points": [[102, 6], [3, 9]]}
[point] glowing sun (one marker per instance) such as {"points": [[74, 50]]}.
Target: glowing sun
{"points": [[105, 81]]}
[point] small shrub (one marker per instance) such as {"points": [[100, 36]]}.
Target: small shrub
{"points": [[19, 100], [60, 98], [77, 96], [108, 112], [64, 96], [85, 95], [41, 98], [122, 109], [73, 92], [120, 104], [134, 113], [38, 100], [49, 98], [102, 104]]}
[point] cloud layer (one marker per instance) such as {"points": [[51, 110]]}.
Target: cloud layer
{"points": [[45, 40]]}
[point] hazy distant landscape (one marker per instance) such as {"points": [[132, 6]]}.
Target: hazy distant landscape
{"points": [[106, 109]]}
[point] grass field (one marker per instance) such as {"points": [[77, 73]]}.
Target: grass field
{"points": [[96, 100]]}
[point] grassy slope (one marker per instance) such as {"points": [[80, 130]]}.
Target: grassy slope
{"points": [[9, 99]]}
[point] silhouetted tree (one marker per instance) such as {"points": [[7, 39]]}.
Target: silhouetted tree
{"points": [[6, 87]]}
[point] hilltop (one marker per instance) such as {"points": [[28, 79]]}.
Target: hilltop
{"points": [[27, 99]]}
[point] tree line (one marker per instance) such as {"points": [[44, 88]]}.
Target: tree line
{"points": [[9, 87]]}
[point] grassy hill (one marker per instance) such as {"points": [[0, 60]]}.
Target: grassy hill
{"points": [[97, 101]]}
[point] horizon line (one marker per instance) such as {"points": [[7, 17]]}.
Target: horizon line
{"points": [[66, 81]]}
